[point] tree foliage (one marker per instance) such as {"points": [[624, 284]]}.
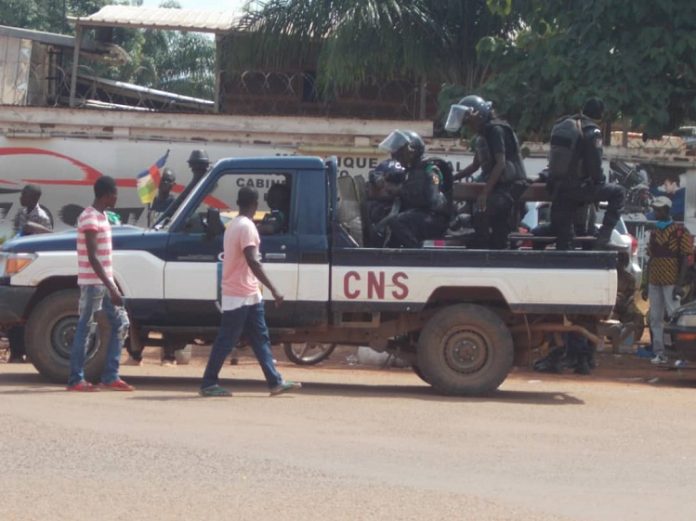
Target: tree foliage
{"points": [[356, 39], [638, 55], [46, 15], [169, 60]]}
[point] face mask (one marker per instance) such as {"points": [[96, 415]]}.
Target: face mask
{"points": [[663, 224]]}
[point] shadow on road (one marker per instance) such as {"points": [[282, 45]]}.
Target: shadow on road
{"points": [[186, 388]]}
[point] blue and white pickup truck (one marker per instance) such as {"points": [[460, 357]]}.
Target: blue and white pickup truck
{"points": [[458, 315]]}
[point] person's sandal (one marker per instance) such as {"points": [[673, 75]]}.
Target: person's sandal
{"points": [[285, 387], [214, 391]]}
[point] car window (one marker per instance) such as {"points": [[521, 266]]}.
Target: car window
{"points": [[223, 197]]}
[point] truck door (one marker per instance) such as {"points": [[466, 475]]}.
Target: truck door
{"points": [[192, 269]]}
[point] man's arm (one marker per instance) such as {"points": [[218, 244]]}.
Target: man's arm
{"points": [[469, 170], [91, 243], [592, 156], [251, 256], [32, 228], [685, 249]]}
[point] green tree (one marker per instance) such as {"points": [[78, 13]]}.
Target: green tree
{"points": [[46, 15], [356, 39], [638, 55]]}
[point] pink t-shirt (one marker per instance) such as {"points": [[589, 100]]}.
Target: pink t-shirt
{"points": [[93, 220], [237, 278]]}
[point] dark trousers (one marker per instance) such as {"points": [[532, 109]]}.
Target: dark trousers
{"points": [[15, 335], [251, 321], [567, 200], [493, 226], [410, 228]]}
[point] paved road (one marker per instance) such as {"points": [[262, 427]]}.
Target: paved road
{"points": [[355, 444]]}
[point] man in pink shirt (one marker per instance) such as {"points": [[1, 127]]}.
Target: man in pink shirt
{"points": [[242, 304], [98, 291]]}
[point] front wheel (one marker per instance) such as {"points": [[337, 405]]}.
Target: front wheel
{"points": [[308, 353], [465, 350], [50, 331]]}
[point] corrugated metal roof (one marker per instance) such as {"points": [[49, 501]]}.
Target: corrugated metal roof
{"points": [[162, 18]]}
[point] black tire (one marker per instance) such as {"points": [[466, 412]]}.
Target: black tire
{"points": [[303, 357], [49, 334], [419, 373], [465, 350]]}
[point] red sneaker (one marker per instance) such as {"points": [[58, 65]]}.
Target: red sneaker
{"points": [[117, 385], [82, 387]]}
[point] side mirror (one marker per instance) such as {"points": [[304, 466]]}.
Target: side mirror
{"points": [[214, 226]]}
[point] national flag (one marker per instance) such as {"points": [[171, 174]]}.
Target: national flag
{"points": [[148, 180]]}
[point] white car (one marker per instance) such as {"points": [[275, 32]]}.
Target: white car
{"points": [[538, 213]]}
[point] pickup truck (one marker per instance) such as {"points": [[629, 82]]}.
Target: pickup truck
{"points": [[458, 315]]}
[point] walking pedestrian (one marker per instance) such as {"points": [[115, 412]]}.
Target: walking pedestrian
{"points": [[669, 249], [98, 291], [242, 304]]}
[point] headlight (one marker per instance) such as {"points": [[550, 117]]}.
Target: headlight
{"points": [[13, 263], [687, 320]]}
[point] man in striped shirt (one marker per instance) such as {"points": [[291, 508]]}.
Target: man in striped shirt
{"points": [[98, 291]]}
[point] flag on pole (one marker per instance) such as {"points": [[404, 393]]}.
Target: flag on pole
{"points": [[148, 180]]}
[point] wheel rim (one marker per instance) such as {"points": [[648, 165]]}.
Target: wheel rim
{"points": [[466, 351], [63, 334], [310, 351]]}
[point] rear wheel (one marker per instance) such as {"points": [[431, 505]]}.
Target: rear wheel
{"points": [[465, 350], [308, 353], [50, 331]]}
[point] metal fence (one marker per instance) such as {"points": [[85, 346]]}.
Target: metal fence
{"points": [[300, 94]]}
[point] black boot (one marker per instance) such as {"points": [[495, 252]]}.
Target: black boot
{"points": [[583, 364], [603, 240]]}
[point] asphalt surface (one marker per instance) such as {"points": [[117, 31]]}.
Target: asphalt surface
{"points": [[352, 444]]}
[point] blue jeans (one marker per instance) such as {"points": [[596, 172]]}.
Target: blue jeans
{"points": [[250, 320], [92, 299]]}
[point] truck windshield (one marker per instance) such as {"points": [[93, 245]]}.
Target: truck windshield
{"points": [[166, 222]]}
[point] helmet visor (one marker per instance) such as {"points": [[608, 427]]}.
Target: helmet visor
{"points": [[458, 115], [394, 142]]}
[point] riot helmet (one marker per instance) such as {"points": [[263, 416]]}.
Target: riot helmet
{"points": [[389, 170], [405, 146], [198, 163], [593, 108], [199, 157], [278, 197], [469, 107]]}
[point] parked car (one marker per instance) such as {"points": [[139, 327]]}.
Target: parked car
{"points": [[682, 330], [538, 214]]}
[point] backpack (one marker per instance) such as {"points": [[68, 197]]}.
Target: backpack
{"points": [[566, 134]]}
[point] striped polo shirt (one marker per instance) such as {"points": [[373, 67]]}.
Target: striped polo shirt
{"points": [[93, 220]]}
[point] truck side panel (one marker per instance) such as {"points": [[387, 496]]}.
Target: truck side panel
{"points": [[399, 279]]}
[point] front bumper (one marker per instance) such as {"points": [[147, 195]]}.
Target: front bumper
{"points": [[13, 303]]}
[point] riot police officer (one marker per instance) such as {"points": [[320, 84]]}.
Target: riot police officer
{"points": [[584, 180], [199, 163], [498, 156], [382, 185], [424, 210]]}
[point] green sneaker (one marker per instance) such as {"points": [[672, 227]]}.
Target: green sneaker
{"points": [[214, 391], [284, 387]]}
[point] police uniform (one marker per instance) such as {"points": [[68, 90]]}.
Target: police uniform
{"points": [[273, 223], [424, 209], [493, 226], [585, 185]]}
